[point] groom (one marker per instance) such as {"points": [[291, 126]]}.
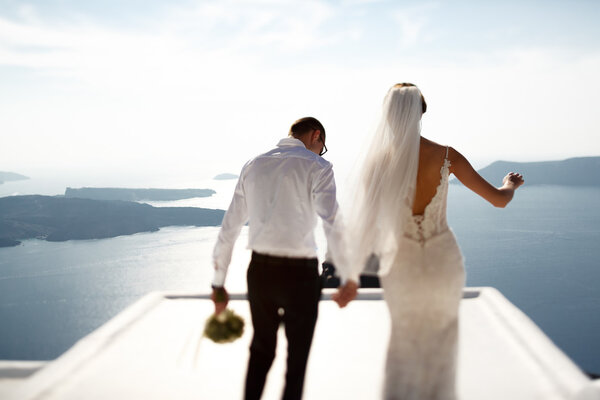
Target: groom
{"points": [[280, 193]]}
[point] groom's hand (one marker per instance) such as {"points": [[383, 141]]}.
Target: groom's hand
{"points": [[220, 297], [345, 294]]}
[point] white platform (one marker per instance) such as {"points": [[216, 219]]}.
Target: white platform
{"points": [[155, 350]]}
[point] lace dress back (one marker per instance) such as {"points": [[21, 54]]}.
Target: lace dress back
{"points": [[433, 220], [423, 290]]}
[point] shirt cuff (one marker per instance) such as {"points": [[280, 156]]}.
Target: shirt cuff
{"points": [[219, 278], [355, 278]]}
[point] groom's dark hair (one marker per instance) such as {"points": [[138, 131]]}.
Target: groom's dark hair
{"points": [[305, 125]]}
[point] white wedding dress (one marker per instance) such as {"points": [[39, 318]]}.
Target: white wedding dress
{"points": [[422, 290]]}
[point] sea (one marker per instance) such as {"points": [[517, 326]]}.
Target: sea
{"points": [[542, 252]]}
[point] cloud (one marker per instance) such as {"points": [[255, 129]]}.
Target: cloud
{"points": [[412, 21], [208, 39], [218, 81], [410, 29], [288, 26]]}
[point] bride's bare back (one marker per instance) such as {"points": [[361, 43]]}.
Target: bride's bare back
{"points": [[431, 159]]}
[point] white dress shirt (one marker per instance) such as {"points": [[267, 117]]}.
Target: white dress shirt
{"points": [[280, 193]]}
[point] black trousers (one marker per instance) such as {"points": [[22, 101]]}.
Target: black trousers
{"points": [[281, 290]]}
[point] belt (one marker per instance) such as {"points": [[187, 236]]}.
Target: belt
{"points": [[300, 261]]}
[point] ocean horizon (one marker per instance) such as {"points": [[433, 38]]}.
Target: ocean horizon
{"points": [[541, 252]]}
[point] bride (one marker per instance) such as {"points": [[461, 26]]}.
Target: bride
{"points": [[399, 214]]}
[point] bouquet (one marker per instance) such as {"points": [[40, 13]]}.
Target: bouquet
{"points": [[225, 327]]}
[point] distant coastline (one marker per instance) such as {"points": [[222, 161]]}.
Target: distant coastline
{"points": [[57, 218], [94, 213], [11, 176], [126, 194], [581, 171], [224, 177]]}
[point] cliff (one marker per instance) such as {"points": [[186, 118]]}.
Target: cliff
{"points": [[137, 194], [582, 171], [60, 218]]}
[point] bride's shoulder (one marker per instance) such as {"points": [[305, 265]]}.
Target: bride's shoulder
{"points": [[433, 148], [457, 160], [436, 151], [454, 155], [431, 144]]}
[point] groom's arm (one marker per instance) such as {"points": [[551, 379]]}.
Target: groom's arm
{"points": [[235, 217], [324, 195]]}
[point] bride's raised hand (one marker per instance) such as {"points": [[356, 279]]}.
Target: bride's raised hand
{"points": [[513, 179]]}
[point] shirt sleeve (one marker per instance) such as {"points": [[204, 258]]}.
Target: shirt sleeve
{"points": [[235, 217], [324, 195]]}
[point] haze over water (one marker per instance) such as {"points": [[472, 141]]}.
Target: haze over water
{"points": [[541, 252]]}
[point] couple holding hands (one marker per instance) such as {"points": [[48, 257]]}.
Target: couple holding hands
{"points": [[398, 214]]}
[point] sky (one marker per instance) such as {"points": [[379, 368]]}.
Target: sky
{"points": [[197, 88]]}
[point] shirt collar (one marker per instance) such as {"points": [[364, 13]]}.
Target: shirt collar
{"points": [[290, 141]]}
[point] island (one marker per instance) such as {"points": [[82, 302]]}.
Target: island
{"points": [[580, 171], [58, 218], [136, 194], [11, 176], [225, 177]]}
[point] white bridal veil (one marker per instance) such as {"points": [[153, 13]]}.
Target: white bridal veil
{"points": [[384, 192]]}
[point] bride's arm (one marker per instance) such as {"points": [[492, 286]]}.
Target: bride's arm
{"points": [[498, 197]]}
